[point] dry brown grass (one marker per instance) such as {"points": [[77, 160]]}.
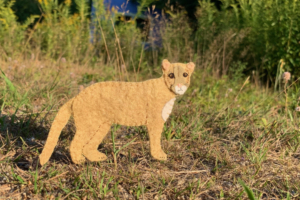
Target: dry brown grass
{"points": [[212, 141]]}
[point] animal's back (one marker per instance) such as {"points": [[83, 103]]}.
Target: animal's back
{"points": [[116, 102]]}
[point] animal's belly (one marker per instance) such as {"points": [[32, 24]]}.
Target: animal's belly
{"points": [[167, 109]]}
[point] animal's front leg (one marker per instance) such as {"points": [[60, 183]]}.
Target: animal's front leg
{"points": [[155, 130]]}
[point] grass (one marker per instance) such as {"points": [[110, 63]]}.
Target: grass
{"points": [[225, 140], [229, 137]]}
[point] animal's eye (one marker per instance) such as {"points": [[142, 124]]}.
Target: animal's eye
{"points": [[171, 75], [185, 74]]}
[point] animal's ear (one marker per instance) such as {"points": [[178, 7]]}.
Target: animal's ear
{"points": [[190, 66], [165, 65]]}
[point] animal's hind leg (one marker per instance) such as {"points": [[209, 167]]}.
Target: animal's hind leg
{"points": [[90, 149], [84, 132], [77, 146]]}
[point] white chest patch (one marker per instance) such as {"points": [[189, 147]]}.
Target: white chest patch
{"points": [[167, 109]]}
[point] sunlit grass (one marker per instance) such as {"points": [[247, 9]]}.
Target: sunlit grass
{"points": [[229, 137], [219, 132]]}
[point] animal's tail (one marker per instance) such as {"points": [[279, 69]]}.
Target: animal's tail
{"points": [[58, 124]]}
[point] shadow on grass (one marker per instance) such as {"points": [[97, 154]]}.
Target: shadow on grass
{"points": [[24, 136]]}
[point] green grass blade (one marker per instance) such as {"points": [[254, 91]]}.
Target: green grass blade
{"points": [[9, 83], [125, 145], [288, 196], [248, 190]]}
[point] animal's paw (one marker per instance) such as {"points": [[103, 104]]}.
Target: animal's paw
{"points": [[78, 159], [159, 155], [95, 156]]}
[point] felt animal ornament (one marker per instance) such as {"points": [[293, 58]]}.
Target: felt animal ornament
{"points": [[102, 104]]}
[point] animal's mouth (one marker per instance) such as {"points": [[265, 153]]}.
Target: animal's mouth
{"points": [[180, 90]]}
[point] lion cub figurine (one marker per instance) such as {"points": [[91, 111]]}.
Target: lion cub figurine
{"points": [[102, 104]]}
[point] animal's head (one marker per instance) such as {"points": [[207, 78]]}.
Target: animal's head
{"points": [[177, 75]]}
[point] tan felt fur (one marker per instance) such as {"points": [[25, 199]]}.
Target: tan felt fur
{"points": [[100, 105]]}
